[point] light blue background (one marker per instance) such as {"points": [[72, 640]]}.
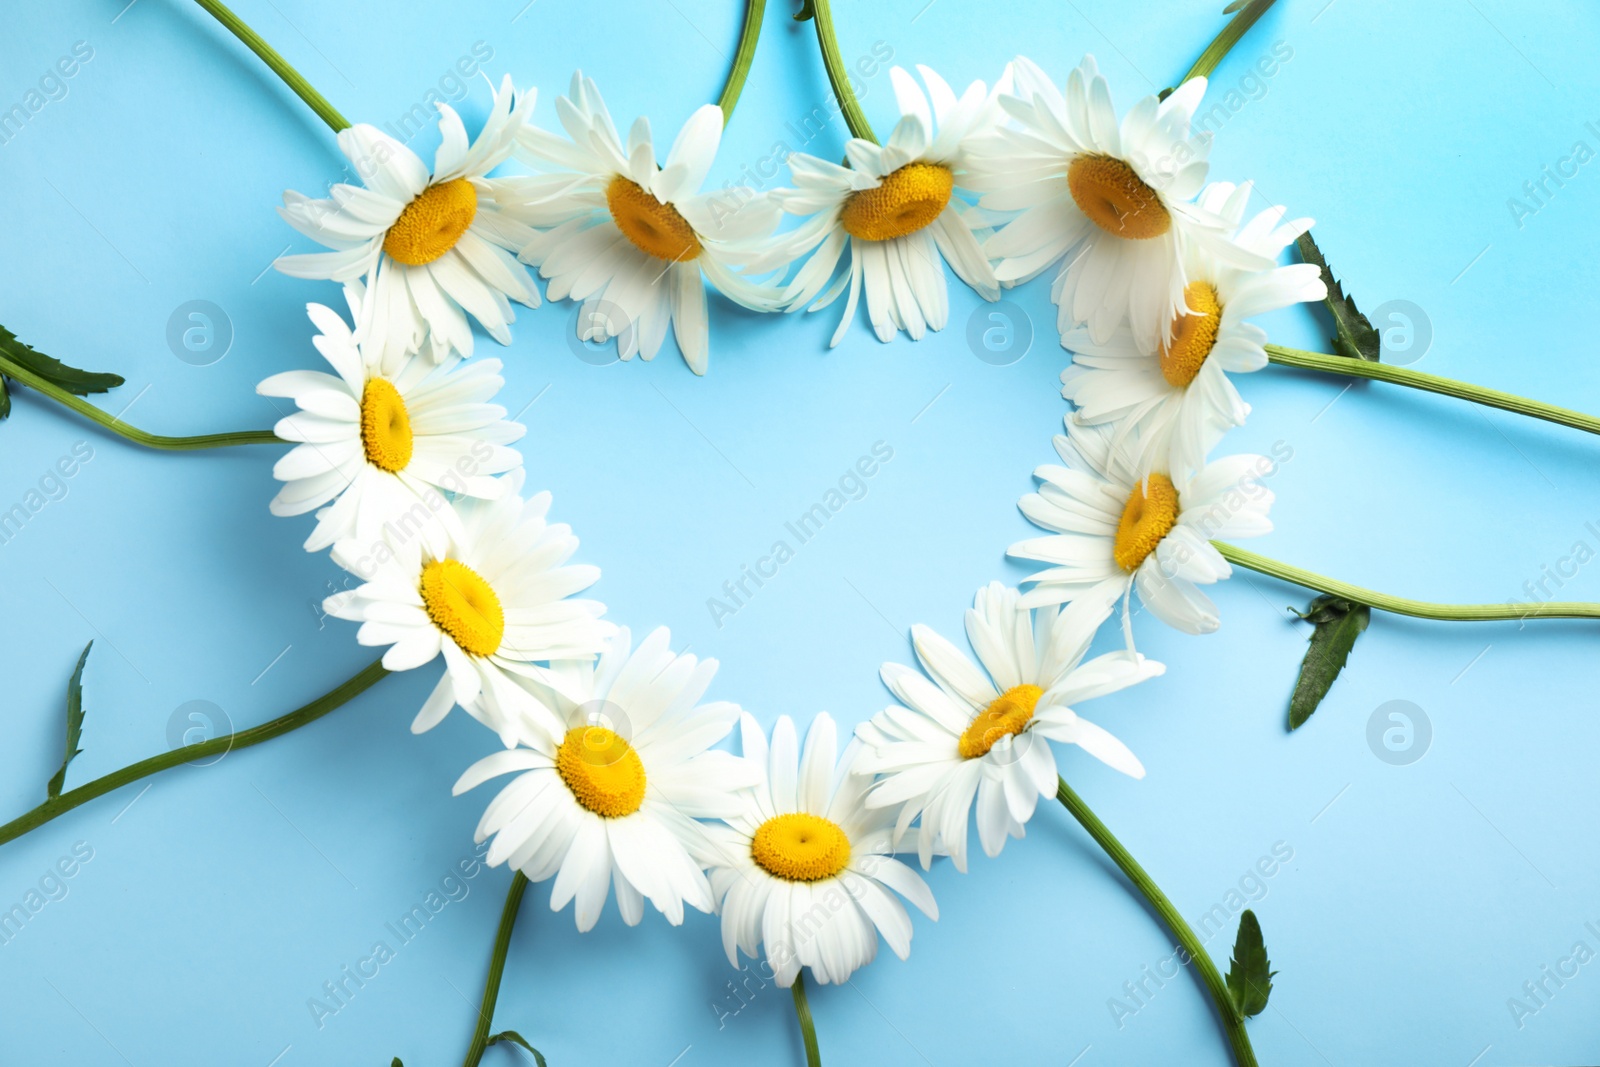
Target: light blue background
{"points": [[1419, 897]]}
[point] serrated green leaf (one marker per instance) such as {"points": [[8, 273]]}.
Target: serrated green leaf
{"points": [[1354, 335], [1338, 623], [1249, 972], [73, 380], [74, 724], [517, 1039]]}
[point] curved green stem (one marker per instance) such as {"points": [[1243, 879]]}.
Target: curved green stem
{"points": [[808, 1029], [1232, 1019], [217, 746], [838, 76], [280, 66], [133, 433], [1420, 609], [1247, 13], [497, 965], [1431, 383], [748, 36]]}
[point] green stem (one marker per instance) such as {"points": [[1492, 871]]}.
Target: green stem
{"points": [[838, 76], [1432, 383], [280, 66], [802, 1011], [217, 746], [133, 433], [497, 965], [1420, 609], [1232, 1019], [753, 12], [1248, 12]]}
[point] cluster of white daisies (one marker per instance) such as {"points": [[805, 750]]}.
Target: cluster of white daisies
{"points": [[409, 469]]}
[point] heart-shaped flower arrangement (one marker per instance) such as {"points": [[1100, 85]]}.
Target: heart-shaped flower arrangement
{"points": [[617, 781]]}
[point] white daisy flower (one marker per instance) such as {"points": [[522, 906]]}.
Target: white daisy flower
{"points": [[634, 241], [488, 589], [970, 737], [1117, 528], [804, 871], [377, 446], [614, 769], [433, 248], [894, 214], [1177, 396], [1114, 196]]}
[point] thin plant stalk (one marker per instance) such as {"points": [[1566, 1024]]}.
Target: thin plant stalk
{"points": [[1227, 1010], [216, 746], [133, 433]]}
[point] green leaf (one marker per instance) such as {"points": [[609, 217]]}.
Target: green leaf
{"points": [[1235, 6], [5, 399], [397, 1063], [74, 723], [808, 11], [1249, 972], [1354, 335], [517, 1039], [75, 381], [1338, 623]]}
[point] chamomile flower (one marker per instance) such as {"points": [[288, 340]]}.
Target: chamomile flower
{"points": [[804, 873], [1117, 528], [981, 735], [1177, 397], [432, 248], [1112, 198], [374, 445], [614, 767], [893, 214], [634, 241], [489, 589]]}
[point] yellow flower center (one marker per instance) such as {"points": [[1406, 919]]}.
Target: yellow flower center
{"points": [[800, 847], [1008, 715], [431, 224], [1150, 514], [463, 605], [1194, 334], [903, 203], [656, 229], [1116, 199], [385, 426], [603, 771]]}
